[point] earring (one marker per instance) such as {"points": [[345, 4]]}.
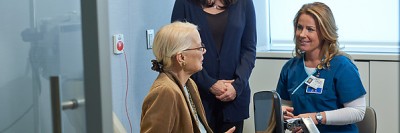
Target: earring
{"points": [[211, 2], [184, 63]]}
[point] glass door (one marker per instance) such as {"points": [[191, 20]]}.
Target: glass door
{"points": [[42, 82]]}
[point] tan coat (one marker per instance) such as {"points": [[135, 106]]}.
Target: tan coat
{"points": [[166, 110]]}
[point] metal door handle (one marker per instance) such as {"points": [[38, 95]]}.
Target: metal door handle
{"points": [[57, 106], [72, 104]]}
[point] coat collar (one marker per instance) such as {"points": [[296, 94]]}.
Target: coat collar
{"points": [[192, 87]]}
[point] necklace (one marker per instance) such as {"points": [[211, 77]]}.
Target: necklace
{"points": [[215, 6], [192, 105]]}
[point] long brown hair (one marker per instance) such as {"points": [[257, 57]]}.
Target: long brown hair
{"points": [[326, 27]]}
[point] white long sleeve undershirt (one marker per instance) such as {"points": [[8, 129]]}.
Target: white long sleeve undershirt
{"points": [[351, 113]]}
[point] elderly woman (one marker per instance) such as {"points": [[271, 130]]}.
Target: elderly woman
{"points": [[173, 104]]}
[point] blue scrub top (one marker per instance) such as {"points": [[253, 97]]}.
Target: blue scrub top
{"points": [[342, 84]]}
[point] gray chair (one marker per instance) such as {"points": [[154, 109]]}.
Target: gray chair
{"points": [[267, 106], [369, 123]]}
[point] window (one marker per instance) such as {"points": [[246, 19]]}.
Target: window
{"points": [[370, 26]]}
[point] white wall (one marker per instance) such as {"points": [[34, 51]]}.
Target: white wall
{"points": [[380, 79], [384, 96], [132, 18]]}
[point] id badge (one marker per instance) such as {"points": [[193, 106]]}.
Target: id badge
{"points": [[312, 90], [313, 82], [318, 89]]}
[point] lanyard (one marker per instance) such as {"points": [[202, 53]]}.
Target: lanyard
{"points": [[304, 66], [304, 79]]}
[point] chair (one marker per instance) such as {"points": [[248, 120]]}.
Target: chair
{"points": [[267, 109], [369, 123]]}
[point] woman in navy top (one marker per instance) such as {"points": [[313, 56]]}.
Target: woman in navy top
{"points": [[228, 31], [321, 82]]}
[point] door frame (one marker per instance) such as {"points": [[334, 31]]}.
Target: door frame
{"points": [[97, 66]]}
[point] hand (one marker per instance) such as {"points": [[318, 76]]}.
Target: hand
{"points": [[229, 95], [219, 87], [297, 130], [231, 130], [287, 112]]}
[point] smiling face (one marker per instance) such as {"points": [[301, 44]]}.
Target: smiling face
{"points": [[307, 35]]}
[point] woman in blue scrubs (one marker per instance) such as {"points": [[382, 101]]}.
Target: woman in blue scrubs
{"points": [[321, 82]]}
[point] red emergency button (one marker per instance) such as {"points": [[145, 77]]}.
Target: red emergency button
{"points": [[120, 46]]}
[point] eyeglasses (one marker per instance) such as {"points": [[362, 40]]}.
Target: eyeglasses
{"points": [[202, 48]]}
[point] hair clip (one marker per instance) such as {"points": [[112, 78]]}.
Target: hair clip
{"points": [[157, 66]]}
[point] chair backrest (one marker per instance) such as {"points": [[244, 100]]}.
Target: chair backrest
{"points": [[369, 123], [267, 106]]}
